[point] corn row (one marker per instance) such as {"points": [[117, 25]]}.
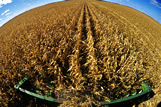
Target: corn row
{"points": [[74, 60], [91, 55]]}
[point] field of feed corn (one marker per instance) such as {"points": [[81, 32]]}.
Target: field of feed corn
{"points": [[88, 50]]}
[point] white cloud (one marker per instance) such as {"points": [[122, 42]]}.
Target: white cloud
{"points": [[155, 3], [4, 2], [8, 13], [0, 19], [5, 12]]}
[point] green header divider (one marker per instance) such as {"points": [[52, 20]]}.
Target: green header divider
{"points": [[18, 87], [146, 89]]}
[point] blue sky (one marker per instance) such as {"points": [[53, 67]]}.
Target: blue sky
{"points": [[150, 7], [12, 8]]}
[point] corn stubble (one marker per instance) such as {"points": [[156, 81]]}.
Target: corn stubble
{"points": [[86, 53]]}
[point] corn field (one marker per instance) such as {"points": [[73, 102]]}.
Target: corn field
{"points": [[85, 49]]}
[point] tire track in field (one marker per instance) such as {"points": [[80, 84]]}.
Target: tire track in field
{"points": [[84, 29]]}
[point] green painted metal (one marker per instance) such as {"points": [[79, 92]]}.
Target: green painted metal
{"points": [[145, 90], [20, 83], [18, 87], [133, 92]]}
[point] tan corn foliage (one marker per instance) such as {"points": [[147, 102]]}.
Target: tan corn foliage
{"points": [[87, 51]]}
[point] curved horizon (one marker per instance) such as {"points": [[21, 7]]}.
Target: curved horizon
{"points": [[9, 9]]}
